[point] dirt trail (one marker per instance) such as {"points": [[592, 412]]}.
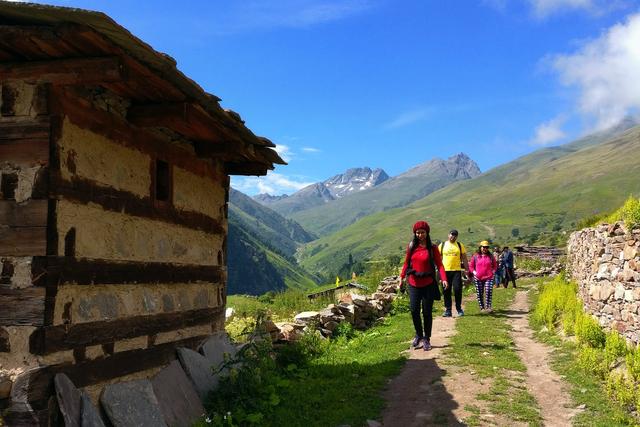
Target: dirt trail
{"points": [[418, 397], [430, 392], [543, 383]]}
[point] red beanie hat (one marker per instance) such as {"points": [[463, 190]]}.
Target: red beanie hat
{"points": [[421, 225]]}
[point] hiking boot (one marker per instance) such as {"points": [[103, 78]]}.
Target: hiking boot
{"points": [[447, 313], [426, 345], [460, 313], [489, 310], [416, 342]]}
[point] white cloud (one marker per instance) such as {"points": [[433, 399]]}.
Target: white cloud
{"points": [[273, 183], [284, 151], [311, 149], [605, 71], [545, 8], [549, 132], [409, 118]]}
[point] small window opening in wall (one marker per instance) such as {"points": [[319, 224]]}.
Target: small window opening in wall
{"points": [[163, 181], [8, 185], [70, 242]]}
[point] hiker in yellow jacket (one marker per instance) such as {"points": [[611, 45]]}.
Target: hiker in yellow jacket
{"points": [[454, 259]]}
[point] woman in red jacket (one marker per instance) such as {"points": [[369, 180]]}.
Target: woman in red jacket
{"points": [[484, 266], [420, 265]]}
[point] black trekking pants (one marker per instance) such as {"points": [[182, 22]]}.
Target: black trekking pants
{"points": [[511, 276], [421, 298], [454, 278]]}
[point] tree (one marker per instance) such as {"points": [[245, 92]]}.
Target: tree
{"points": [[515, 232]]}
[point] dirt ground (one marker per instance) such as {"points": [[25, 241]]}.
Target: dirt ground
{"points": [[430, 392]]}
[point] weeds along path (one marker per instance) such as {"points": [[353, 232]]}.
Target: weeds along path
{"points": [[542, 382], [418, 397]]}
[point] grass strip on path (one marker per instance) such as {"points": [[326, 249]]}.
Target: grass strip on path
{"points": [[483, 345], [343, 385], [586, 388]]}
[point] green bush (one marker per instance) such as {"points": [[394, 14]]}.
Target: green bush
{"points": [[615, 347], [589, 332], [400, 304], [591, 360], [344, 329], [572, 310], [633, 363], [629, 213], [555, 296], [621, 389], [531, 264]]}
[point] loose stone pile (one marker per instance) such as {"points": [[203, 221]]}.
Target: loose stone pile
{"points": [[551, 271], [360, 311], [605, 261]]}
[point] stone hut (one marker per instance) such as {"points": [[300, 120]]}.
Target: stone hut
{"points": [[113, 205]]}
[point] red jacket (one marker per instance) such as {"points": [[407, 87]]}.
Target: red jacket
{"points": [[420, 263]]}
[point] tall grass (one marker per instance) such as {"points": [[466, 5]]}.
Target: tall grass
{"points": [[605, 355]]}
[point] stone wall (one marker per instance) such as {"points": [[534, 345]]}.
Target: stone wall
{"points": [[605, 262]]}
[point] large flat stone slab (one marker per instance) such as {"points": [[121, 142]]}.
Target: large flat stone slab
{"points": [[68, 400], [89, 415], [179, 402], [217, 347], [198, 369], [132, 404]]}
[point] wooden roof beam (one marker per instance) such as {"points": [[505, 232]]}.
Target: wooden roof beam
{"points": [[186, 118], [246, 168], [71, 71]]}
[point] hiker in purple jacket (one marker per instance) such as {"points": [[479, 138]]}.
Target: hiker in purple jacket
{"points": [[483, 265]]}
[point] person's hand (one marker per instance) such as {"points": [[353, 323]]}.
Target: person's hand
{"points": [[399, 285], [445, 285]]}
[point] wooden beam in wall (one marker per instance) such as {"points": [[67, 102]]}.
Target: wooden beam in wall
{"points": [[32, 213], [71, 71], [53, 271], [111, 199], [22, 306], [23, 241], [50, 339]]}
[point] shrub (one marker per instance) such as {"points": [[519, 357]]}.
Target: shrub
{"points": [[344, 329], [631, 213], [633, 363], [591, 360], [620, 388], [554, 298], [400, 304], [615, 347], [572, 310], [589, 332]]}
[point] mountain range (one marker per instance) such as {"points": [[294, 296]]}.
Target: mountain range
{"points": [[536, 198], [320, 193]]}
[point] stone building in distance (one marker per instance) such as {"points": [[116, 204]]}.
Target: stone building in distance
{"points": [[113, 205]]}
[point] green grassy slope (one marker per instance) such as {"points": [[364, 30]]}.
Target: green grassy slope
{"points": [[537, 197]]}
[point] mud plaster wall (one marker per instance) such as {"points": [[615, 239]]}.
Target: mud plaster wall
{"points": [[115, 236], [108, 302], [88, 155], [198, 193]]}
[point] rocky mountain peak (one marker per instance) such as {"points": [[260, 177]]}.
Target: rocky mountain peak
{"points": [[353, 180], [266, 198]]}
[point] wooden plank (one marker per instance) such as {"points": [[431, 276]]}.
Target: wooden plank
{"points": [[50, 339], [21, 128], [92, 372], [54, 271], [247, 168], [23, 241], [24, 152], [22, 306], [71, 71], [32, 213], [86, 191]]}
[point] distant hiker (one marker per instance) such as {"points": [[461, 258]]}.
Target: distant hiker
{"points": [[422, 263], [483, 265], [509, 266], [499, 276], [454, 259]]}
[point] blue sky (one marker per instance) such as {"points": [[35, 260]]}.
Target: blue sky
{"points": [[392, 84]]}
